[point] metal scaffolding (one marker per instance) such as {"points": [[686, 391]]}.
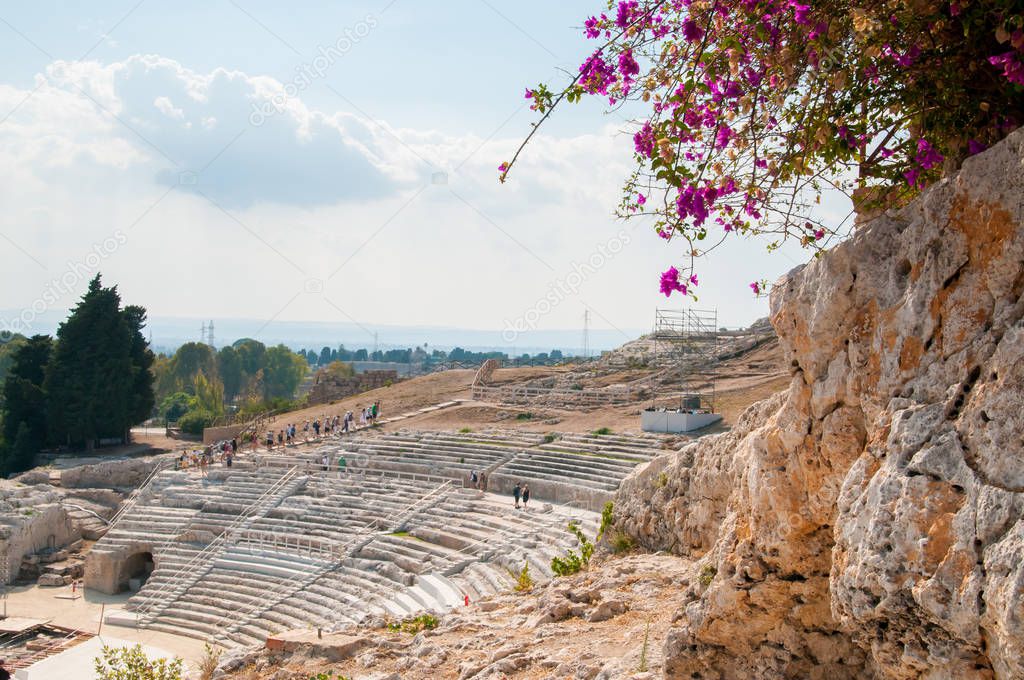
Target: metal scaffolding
{"points": [[687, 340]]}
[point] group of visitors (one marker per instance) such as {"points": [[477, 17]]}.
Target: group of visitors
{"points": [[322, 426], [478, 481], [201, 459], [521, 492]]}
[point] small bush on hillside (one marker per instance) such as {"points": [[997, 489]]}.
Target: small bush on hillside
{"points": [[208, 662], [524, 416], [662, 481], [621, 542], [465, 430], [601, 431], [414, 624], [524, 582], [606, 518], [574, 562], [195, 421], [124, 663], [643, 650], [328, 675], [707, 574], [549, 437]]}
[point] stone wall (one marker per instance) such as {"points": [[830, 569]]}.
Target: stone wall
{"points": [[33, 519], [867, 522], [328, 387]]}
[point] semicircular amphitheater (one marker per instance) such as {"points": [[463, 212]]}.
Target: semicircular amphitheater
{"points": [[328, 534]]}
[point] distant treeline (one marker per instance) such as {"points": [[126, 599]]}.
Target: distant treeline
{"points": [[420, 355]]}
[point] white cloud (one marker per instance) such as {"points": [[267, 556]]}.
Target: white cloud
{"points": [[147, 141], [166, 107]]}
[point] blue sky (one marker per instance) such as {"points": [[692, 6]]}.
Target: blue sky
{"points": [[330, 162]]}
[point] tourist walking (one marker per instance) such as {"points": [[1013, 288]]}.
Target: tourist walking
{"points": [[473, 480], [526, 495], [483, 481], [324, 462], [517, 494]]}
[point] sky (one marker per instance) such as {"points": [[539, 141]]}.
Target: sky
{"points": [[332, 163]]}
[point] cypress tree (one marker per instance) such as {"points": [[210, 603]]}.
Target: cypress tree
{"points": [[90, 382]]}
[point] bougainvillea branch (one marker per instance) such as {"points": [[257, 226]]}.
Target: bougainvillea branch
{"points": [[756, 109]]}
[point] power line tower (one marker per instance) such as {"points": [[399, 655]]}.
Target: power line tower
{"points": [[210, 331], [202, 333]]}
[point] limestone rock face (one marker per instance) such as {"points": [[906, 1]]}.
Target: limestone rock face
{"points": [[868, 520]]}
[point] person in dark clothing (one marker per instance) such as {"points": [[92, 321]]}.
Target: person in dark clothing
{"points": [[526, 495], [517, 493], [4, 673]]}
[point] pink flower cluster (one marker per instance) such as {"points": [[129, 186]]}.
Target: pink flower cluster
{"points": [[1010, 62], [670, 282], [927, 158]]}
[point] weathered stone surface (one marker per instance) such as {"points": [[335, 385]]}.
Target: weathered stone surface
{"points": [[867, 521]]}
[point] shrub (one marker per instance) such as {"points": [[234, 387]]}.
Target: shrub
{"points": [[465, 430], [131, 663], [524, 416], [195, 421], [549, 437], [707, 574], [601, 431], [662, 481], [574, 562], [328, 675], [606, 518], [524, 582], [414, 624], [643, 650], [208, 663], [621, 542]]}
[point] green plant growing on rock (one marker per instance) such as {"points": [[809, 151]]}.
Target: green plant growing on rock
{"points": [[642, 668], [209, 661], [527, 415], [662, 481], [328, 675], [524, 582], [622, 542], [414, 624], [465, 430], [574, 562], [607, 517], [707, 575], [602, 431], [550, 437], [131, 663]]}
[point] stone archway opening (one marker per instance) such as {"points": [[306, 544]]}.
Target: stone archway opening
{"points": [[135, 570]]}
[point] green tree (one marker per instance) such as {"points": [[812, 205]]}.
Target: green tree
{"points": [[21, 454], [142, 397], [23, 396], [8, 344], [174, 406], [190, 360], [252, 354], [90, 381], [283, 372], [229, 367], [131, 663]]}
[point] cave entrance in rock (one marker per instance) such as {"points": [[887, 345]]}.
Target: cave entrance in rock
{"points": [[135, 570]]}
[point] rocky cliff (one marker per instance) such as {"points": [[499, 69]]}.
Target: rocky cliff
{"points": [[867, 521]]}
